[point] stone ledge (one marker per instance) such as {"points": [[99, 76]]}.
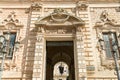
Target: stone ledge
{"points": [[11, 78], [11, 74]]}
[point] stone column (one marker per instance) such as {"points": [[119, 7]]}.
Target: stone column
{"points": [[80, 59], [38, 66]]}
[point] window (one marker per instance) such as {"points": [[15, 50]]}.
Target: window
{"points": [[11, 44], [108, 43]]}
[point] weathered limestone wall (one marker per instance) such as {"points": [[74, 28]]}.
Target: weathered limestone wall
{"points": [[30, 57], [101, 72], [13, 67]]}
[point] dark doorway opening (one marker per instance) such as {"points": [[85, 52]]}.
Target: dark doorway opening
{"points": [[59, 51]]}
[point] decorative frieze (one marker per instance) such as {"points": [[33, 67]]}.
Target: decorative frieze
{"points": [[59, 31]]}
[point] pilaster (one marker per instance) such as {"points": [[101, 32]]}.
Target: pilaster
{"points": [[80, 63]]}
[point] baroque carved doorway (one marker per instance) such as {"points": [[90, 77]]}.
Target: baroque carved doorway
{"points": [[54, 31], [60, 54]]}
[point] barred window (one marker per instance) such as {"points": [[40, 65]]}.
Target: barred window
{"points": [[11, 44], [109, 44]]}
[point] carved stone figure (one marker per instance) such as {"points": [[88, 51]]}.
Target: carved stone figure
{"points": [[104, 16]]}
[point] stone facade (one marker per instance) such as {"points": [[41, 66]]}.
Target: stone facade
{"points": [[39, 21]]}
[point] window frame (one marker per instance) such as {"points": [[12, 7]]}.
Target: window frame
{"points": [[108, 51], [100, 28], [9, 43]]}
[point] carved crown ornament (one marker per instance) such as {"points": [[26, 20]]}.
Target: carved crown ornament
{"points": [[59, 17], [11, 21]]}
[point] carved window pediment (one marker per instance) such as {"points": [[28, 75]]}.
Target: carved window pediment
{"points": [[11, 26], [11, 20], [106, 21], [59, 18], [106, 25]]}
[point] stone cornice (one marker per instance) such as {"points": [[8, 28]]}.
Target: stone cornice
{"points": [[110, 24], [54, 4], [14, 5], [93, 1], [104, 5]]}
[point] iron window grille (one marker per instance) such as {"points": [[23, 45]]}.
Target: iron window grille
{"points": [[108, 44]]}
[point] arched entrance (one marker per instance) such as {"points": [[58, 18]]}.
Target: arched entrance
{"points": [[61, 71], [60, 54], [60, 33]]}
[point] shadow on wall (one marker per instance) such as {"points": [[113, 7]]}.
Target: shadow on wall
{"points": [[28, 55]]}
